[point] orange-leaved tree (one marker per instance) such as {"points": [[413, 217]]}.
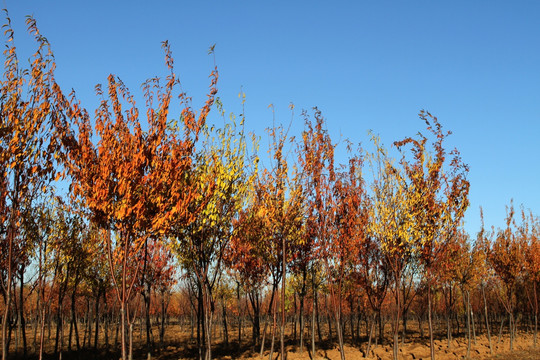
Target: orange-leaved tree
{"points": [[530, 232], [507, 258], [29, 146], [335, 212], [134, 183], [247, 257]]}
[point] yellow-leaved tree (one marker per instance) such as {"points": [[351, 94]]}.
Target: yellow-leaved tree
{"points": [[391, 223], [439, 197], [223, 171]]}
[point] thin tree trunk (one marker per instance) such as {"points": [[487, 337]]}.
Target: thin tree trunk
{"points": [[396, 320], [472, 317], [42, 333], [468, 324], [146, 298], [380, 323], [535, 315], [511, 329], [319, 332], [313, 353], [123, 330], [130, 340], [239, 314], [7, 304], [301, 319], [501, 329], [96, 314], [487, 320], [449, 330], [21, 309], [371, 326], [274, 325], [283, 287], [270, 307], [224, 320], [163, 317], [431, 345], [338, 323], [107, 322]]}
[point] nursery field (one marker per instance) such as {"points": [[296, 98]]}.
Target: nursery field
{"points": [[118, 221]]}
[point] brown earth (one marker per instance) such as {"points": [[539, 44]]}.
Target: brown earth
{"points": [[179, 345]]}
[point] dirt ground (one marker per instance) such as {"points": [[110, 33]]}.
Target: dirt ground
{"points": [[414, 350], [523, 350], [179, 345]]}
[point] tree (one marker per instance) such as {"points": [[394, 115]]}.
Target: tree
{"points": [[469, 271], [157, 275], [134, 183], [440, 197], [506, 257], [280, 196], [391, 223], [246, 256], [222, 173], [336, 216], [29, 144], [530, 231]]}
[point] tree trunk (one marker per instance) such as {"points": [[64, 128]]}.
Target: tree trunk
{"points": [[500, 330], [130, 340], [404, 331], [371, 326], [449, 329], [313, 308], [338, 323], [239, 314], [256, 320], [42, 333], [123, 329], [73, 324], [487, 320], [164, 306], [319, 332], [283, 287], [274, 325], [472, 318], [511, 329], [96, 314], [381, 328], [431, 345], [270, 307], [535, 315], [466, 293], [148, 324], [396, 320], [301, 319], [224, 320], [7, 304], [107, 322], [21, 309]]}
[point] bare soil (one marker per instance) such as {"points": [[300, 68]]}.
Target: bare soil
{"points": [[179, 344]]}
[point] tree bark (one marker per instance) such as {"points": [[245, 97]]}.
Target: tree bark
{"points": [[431, 345], [10, 238], [21, 309], [466, 293]]}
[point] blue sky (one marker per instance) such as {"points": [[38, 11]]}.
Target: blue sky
{"points": [[364, 64]]}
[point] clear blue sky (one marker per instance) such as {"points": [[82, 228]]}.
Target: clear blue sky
{"points": [[365, 64]]}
